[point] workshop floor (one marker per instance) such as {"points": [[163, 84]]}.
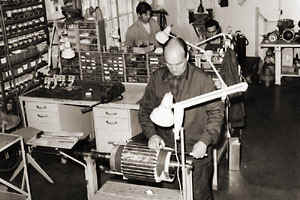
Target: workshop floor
{"points": [[270, 157]]}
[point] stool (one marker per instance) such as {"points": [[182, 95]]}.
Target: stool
{"points": [[28, 133]]}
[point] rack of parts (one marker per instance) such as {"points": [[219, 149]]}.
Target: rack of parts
{"points": [[24, 39]]}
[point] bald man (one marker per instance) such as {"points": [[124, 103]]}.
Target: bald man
{"points": [[202, 123]]}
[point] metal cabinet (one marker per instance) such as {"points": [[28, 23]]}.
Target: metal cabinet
{"points": [[114, 125]]}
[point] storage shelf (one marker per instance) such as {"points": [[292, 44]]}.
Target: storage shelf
{"points": [[26, 71], [26, 35], [20, 6], [291, 75], [24, 46], [19, 21], [39, 27]]}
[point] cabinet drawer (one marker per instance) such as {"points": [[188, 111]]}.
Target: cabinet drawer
{"points": [[44, 121], [111, 112], [43, 117], [111, 124], [40, 106]]}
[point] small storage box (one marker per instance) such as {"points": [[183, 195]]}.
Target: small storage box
{"points": [[234, 153]]}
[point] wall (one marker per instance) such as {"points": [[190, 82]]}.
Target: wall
{"points": [[238, 17]]}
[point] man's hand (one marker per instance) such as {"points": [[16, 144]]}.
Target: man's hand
{"points": [[199, 150], [156, 142]]}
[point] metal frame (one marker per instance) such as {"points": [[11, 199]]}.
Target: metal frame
{"points": [[25, 180]]}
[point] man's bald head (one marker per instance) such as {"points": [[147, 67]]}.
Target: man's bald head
{"points": [[175, 54], [176, 46]]}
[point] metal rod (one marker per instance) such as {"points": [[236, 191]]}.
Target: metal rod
{"points": [[177, 164], [113, 172], [75, 160], [240, 87]]}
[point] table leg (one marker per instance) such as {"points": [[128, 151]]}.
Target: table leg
{"points": [[38, 168], [23, 111], [91, 177], [277, 65]]}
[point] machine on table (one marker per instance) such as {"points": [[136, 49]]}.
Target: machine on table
{"points": [[135, 161]]}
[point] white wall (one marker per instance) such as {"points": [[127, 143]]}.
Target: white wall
{"points": [[238, 17]]}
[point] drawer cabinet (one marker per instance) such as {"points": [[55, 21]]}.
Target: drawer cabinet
{"points": [[53, 117], [113, 125], [40, 106], [43, 116]]}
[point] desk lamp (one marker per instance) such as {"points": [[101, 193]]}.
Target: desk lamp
{"points": [[67, 51], [176, 116]]}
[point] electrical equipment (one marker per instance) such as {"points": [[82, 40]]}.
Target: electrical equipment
{"points": [[273, 36], [135, 161], [288, 35], [138, 162]]}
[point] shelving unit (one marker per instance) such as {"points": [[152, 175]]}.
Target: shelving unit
{"points": [[91, 41], [155, 61], [24, 40], [129, 67], [113, 66], [278, 46], [136, 68]]}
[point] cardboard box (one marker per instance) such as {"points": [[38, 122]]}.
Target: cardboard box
{"points": [[287, 57], [234, 153]]}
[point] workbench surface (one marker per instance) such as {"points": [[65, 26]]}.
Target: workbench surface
{"points": [[124, 191]]}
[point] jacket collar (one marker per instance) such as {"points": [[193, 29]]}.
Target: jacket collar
{"points": [[168, 76]]}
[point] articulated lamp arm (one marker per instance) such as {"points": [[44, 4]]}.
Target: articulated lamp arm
{"points": [[164, 35], [176, 118], [180, 106], [214, 37]]}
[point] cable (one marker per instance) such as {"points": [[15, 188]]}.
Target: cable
{"points": [[177, 171]]}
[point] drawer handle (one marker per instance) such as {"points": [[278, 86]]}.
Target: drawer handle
{"points": [[111, 123], [41, 107], [109, 113], [42, 116]]}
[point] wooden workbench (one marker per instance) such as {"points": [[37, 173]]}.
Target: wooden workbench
{"points": [[124, 191]]}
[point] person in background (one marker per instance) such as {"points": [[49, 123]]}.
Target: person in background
{"points": [[202, 123], [212, 28], [142, 32]]}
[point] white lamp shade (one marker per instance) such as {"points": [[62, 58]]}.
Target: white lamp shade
{"points": [[162, 116], [67, 52], [163, 36]]}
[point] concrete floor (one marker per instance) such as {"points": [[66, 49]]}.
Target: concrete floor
{"points": [[270, 157]]}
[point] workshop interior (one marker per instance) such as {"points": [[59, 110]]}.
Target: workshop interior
{"points": [[72, 85]]}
